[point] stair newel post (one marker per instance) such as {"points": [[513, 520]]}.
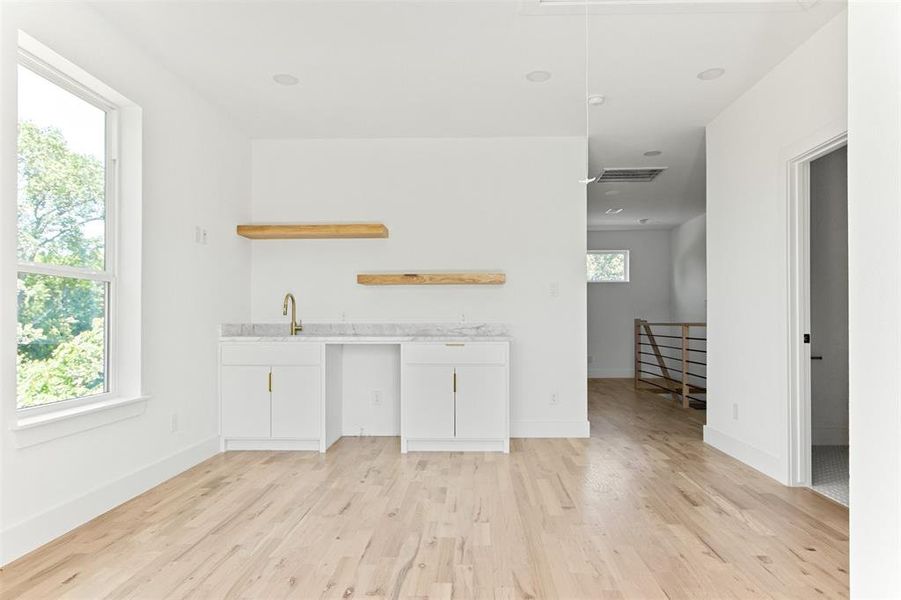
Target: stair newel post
{"points": [[685, 385], [637, 348]]}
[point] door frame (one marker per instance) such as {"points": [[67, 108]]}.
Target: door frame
{"points": [[800, 429]]}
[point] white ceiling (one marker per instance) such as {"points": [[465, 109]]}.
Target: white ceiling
{"points": [[432, 68]]}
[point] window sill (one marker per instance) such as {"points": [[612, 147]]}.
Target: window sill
{"points": [[29, 431]]}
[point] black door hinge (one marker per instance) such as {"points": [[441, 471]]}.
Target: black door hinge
{"points": [[806, 338]]}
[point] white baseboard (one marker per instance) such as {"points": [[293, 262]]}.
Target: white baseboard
{"points": [[25, 536], [830, 436], [550, 429], [764, 462], [457, 446], [271, 445], [610, 373]]}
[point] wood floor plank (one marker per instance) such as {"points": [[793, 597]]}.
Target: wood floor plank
{"points": [[642, 509]]}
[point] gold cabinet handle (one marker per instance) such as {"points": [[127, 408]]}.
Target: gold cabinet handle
{"points": [[455, 402], [270, 381], [454, 344]]}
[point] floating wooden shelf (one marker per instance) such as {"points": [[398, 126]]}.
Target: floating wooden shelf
{"points": [[313, 231], [431, 278]]}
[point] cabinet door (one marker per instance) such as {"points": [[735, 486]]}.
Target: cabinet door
{"points": [[244, 393], [428, 401], [295, 402], [481, 402]]}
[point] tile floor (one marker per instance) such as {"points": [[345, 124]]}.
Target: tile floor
{"points": [[830, 472]]}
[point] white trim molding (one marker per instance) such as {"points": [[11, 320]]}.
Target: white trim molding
{"points": [[550, 429], [799, 436], [611, 373], [764, 462], [37, 429], [25, 536]]}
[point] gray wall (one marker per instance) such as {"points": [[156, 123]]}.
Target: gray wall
{"points": [[829, 297], [612, 307], [668, 283], [688, 253]]}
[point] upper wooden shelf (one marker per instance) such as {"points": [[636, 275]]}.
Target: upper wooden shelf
{"points": [[431, 278], [313, 231]]}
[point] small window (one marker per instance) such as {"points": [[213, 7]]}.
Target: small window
{"points": [[608, 266], [66, 268]]}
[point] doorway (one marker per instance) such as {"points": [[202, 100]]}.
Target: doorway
{"points": [[829, 324], [818, 318]]}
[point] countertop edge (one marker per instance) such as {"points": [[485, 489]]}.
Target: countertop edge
{"points": [[369, 339]]}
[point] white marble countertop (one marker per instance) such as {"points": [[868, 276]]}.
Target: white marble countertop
{"points": [[366, 333]]}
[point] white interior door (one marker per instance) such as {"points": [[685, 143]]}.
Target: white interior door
{"points": [[245, 401], [481, 402], [296, 399], [428, 398]]}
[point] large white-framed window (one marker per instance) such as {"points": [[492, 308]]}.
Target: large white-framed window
{"points": [[608, 266], [67, 234]]}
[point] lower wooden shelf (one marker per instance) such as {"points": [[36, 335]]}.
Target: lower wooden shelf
{"points": [[431, 278]]}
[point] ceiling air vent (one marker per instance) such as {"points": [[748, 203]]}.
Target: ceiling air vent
{"points": [[629, 175]]}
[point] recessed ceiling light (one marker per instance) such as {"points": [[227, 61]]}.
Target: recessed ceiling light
{"points": [[596, 100], [285, 79], [642, 221], [538, 76], [611, 193], [653, 153], [709, 74], [613, 211]]}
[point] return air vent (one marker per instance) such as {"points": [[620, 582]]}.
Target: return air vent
{"points": [[629, 175]]}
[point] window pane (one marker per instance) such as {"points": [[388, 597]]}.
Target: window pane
{"points": [[606, 266], [62, 155], [61, 338]]}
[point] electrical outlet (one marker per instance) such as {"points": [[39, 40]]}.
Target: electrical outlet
{"points": [[376, 398], [554, 398], [198, 236], [554, 289], [173, 422], [735, 412]]}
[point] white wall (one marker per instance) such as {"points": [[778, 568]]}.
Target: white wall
{"points": [[514, 205], [874, 217], [369, 370], [195, 172], [799, 104], [829, 298], [688, 255], [613, 307]]}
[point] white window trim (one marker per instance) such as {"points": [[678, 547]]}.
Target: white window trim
{"points": [[125, 397], [628, 265]]}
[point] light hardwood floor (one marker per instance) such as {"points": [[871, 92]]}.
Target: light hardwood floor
{"points": [[641, 510]]}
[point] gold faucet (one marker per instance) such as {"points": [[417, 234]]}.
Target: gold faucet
{"points": [[295, 326]]}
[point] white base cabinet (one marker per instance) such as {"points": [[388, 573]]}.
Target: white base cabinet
{"points": [[271, 396], [455, 396]]}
